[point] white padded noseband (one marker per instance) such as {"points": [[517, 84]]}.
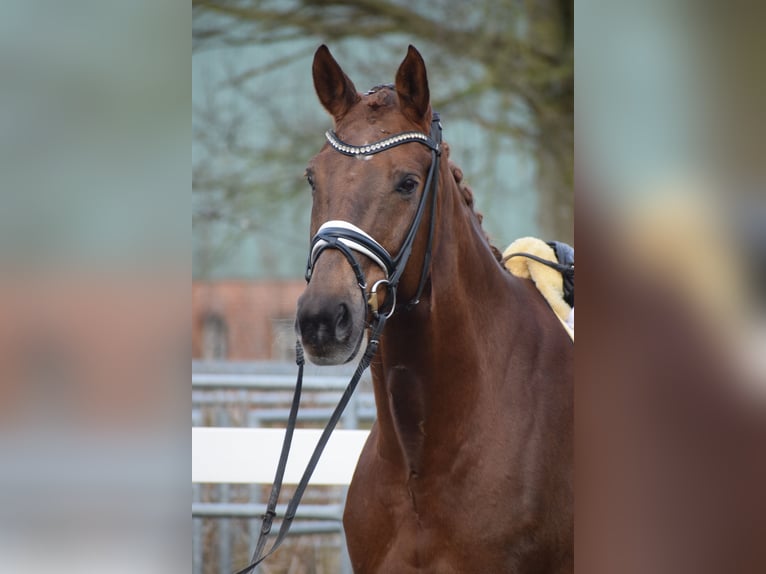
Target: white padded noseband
{"points": [[351, 244]]}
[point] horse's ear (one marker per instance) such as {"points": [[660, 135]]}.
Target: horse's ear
{"points": [[336, 92], [412, 87]]}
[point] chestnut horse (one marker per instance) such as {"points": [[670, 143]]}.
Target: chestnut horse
{"points": [[468, 467]]}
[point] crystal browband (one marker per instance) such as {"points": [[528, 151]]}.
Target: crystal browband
{"points": [[384, 144]]}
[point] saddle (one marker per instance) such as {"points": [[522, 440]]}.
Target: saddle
{"points": [[551, 267]]}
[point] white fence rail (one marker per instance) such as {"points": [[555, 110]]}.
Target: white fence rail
{"points": [[247, 456], [238, 398]]}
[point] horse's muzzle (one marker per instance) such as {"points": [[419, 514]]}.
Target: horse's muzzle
{"points": [[330, 331]]}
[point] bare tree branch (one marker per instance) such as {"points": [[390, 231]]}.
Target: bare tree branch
{"points": [[512, 61]]}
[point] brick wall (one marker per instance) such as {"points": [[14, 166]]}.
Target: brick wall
{"points": [[244, 320]]}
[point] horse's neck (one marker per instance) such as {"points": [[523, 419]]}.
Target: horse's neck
{"points": [[429, 372]]}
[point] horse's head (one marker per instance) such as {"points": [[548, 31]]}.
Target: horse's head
{"points": [[370, 196]]}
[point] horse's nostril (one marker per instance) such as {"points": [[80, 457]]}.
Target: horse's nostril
{"points": [[342, 322]]}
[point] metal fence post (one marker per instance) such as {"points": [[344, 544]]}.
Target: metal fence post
{"points": [[224, 525], [345, 559], [255, 493], [196, 522]]}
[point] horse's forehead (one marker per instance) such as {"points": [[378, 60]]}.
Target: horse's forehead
{"points": [[380, 97], [377, 112]]}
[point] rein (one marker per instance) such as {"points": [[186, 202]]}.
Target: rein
{"points": [[347, 238], [292, 506]]}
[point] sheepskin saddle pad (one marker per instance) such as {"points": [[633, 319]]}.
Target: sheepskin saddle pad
{"points": [[551, 267]]}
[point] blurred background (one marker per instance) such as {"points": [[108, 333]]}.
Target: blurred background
{"points": [[94, 293], [501, 75], [670, 400]]}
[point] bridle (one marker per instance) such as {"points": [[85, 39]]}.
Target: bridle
{"points": [[347, 238]]}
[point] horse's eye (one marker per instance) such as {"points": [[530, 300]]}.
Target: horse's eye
{"points": [[407, 186], [310, 179]]}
